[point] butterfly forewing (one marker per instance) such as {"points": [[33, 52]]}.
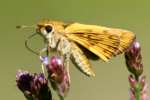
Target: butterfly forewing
{"points": [[102, 41]]}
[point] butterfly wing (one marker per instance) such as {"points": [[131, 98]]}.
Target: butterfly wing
{"points": [[102, 41]]}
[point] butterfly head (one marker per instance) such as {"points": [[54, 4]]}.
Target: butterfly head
{"points": [[47, 27]]}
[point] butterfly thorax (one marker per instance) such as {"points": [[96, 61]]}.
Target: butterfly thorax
{"points": [[59, 42]]}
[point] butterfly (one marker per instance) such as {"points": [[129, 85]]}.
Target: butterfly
{"points": [[81, 42]]}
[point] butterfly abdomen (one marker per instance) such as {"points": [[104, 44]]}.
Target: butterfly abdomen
{"points": [[79, 59]]}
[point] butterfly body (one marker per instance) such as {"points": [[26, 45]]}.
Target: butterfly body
{"points": [[102, 41]]}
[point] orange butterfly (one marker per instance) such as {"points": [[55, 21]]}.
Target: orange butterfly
{"points": [[77, 41]]}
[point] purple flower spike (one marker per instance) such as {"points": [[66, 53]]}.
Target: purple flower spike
{"points": [[134, 59], [33, 86], [23, 79], [58, 76], [138, 86]]}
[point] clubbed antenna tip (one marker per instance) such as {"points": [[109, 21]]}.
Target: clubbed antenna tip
{"points": [[18, 26], [24, 26]]}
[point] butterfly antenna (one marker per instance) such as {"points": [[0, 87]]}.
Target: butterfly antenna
{"points": [[25, 26]]}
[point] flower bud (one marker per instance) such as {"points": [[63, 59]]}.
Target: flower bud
{"points": [[132, 81], [134, 59], [44, 60]]}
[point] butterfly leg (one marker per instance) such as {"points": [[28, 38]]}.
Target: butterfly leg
{"points": [[42, 59], [67, 59], [64, 47]]}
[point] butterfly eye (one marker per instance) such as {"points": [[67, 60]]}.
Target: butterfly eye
{"points": [[48, 28]]}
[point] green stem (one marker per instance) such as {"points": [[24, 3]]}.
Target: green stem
{"points": [[138, 92], [62, 98]]}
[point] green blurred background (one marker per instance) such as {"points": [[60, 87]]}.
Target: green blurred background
{"points": [[111, 82]]}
